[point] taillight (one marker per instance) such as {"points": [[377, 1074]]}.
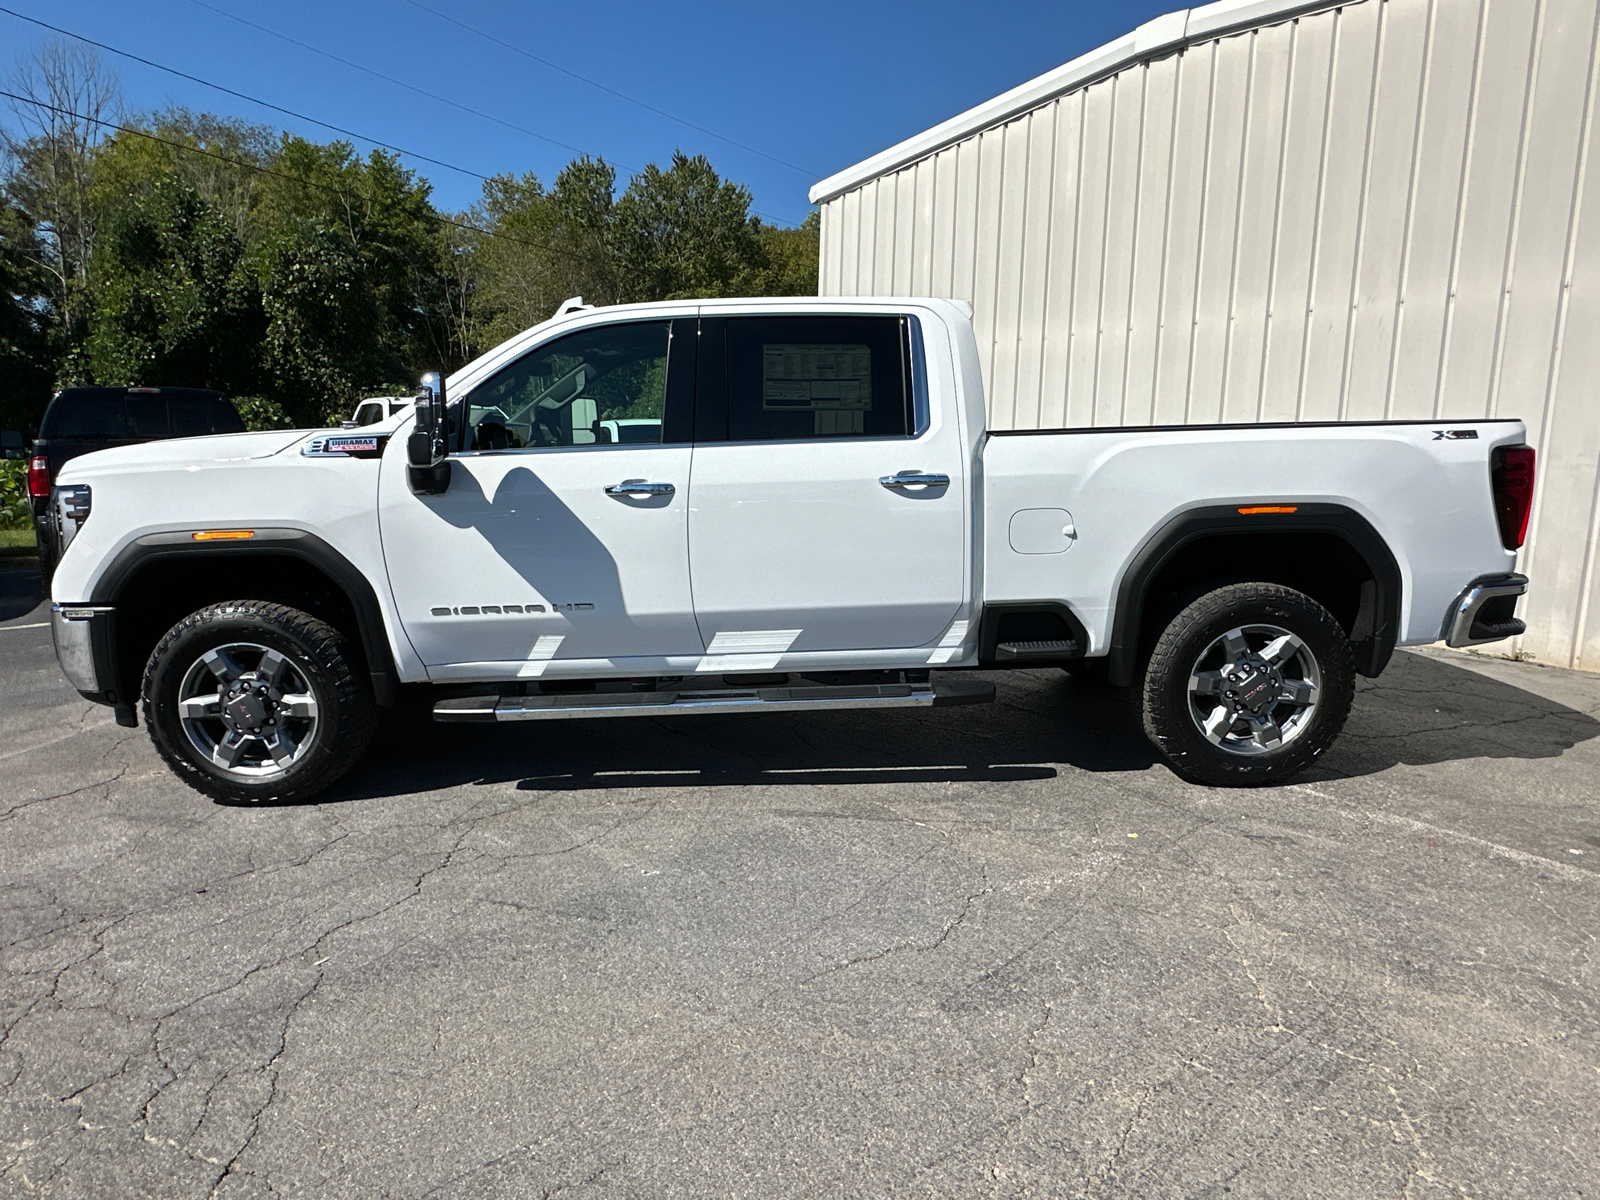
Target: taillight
{"points": [[1512, 472], [39, 477]]}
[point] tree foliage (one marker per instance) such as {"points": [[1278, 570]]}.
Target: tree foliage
{"points": [[173, 299], [684, 232], [204, 251], [27, 355]]}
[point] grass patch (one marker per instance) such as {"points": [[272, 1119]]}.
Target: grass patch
{"points": [[17, 543]]}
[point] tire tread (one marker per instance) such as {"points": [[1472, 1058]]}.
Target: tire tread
{"points": [[357, 712], [1168, 724]]}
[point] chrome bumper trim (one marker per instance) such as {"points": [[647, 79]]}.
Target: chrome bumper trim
{"points": [[1462, 624], [72, 629]]}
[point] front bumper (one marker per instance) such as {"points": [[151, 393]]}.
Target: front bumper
{"points": [[1484, 611], [85, 638]]}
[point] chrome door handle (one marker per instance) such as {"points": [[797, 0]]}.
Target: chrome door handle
{"points": [[638, 487], [915, 479]]}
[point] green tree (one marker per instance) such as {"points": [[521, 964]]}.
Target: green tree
{"points": [[197, 249], [539, 247], [63, 95], [684, 232], [347, 265], [220, 158], [26, 357], [789, 260], [175, 303]]}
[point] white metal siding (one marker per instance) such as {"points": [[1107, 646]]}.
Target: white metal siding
{"points": [[1377, 211]]}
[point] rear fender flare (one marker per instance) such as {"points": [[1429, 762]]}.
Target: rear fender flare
{"points": [[1377, 624]]}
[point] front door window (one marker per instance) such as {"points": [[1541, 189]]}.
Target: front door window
{"points": [[598, 387]]}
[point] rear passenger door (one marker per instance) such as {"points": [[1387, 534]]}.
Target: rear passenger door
{"points": [[808, 530]]}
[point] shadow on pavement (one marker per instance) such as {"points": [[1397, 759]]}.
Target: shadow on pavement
{"points": [[1040, 721], [1422, 711], [21, 587]]}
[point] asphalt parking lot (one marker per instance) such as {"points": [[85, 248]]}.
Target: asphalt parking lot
{"points": [[959, 952]]}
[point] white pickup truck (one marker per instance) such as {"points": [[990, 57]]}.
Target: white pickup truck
{"points": [[765, 505]]}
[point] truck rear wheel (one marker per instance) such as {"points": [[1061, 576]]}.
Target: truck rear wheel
{"points": [[1248, 685], [249, 701]]}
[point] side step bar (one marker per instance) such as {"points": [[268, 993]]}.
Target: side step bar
{"points": [[570, 705]]}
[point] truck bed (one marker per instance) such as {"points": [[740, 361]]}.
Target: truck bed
{"points": [[1423, 487]]}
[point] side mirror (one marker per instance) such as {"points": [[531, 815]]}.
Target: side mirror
{"points": [[428, 447]]}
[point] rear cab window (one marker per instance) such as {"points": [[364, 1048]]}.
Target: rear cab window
{"points": [[113, 414], [96, 415]]}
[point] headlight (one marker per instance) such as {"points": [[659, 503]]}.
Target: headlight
{"points": [[71, 506]]}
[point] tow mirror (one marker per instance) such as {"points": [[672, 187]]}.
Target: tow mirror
{"points": [[427, 449]]}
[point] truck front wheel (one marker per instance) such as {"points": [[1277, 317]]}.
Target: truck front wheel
{"points": [[1248, 685], [249, 701]]}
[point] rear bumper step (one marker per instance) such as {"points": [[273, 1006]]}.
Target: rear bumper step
{"points": [[1483, 612], [570, 706]]}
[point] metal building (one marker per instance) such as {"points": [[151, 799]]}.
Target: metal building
{"points": [[1264, 210]]}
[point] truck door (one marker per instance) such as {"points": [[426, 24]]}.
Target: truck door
{"points": [[555, 540], [828, 513]]}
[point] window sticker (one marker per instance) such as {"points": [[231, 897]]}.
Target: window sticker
{"points": [[797, 377]]}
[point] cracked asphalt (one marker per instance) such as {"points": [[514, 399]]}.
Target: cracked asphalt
{"points": [[965, 952]]}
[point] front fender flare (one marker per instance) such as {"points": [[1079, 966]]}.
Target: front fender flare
{"points": [[296, 543]]}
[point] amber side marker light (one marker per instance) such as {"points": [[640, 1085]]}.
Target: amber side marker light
{"points": [[1262, 509], [223, 535]]}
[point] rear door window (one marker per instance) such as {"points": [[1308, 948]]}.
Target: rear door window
{"points": [[810, 378]]}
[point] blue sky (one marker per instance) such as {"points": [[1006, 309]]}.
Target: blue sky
{"points": [[818, 86]]}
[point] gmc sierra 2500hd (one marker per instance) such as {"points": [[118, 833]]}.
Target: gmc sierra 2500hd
{"points": [[764, 506]]}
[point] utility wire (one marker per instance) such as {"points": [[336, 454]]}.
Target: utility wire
{"points": [[300, 179], [632, 170], [595, 83], [410, 87], [288, 112], [313, 120]]}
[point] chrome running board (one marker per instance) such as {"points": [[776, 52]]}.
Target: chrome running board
{"points": [[572, 705]]}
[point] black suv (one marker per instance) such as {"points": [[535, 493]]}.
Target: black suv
{"points": [[82, 419]]}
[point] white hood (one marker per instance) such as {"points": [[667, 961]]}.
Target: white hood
{"points": [[222, 447]]}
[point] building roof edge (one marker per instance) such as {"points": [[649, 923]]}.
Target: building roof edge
{"points": [[1165, 34]]}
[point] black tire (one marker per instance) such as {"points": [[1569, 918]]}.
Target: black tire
{"points": [[1322, 667], [316, 657], [44, 546]]}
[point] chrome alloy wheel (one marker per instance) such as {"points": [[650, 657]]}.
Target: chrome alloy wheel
{"points": [[1254, 689], [248, 710]]}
